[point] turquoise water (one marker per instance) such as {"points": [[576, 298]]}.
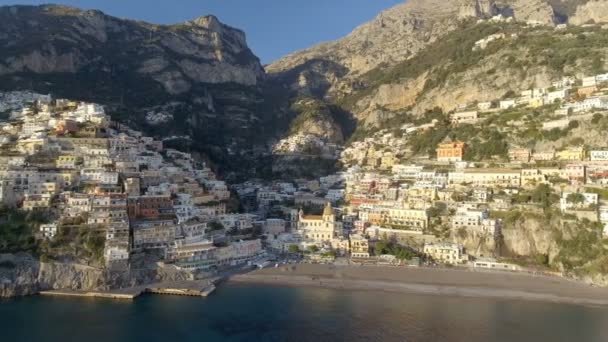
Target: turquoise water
{"points": [[261, 313]]}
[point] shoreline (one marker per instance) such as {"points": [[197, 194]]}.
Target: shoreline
{"points": [[425, 281]]}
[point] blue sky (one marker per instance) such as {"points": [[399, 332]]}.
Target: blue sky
{"points": [[274, 27]]}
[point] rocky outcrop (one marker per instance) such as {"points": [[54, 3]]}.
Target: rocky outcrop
{"points": [[18, 275], [391, 37], [533, 11], [199, 51], [594, 11], [22, 275], [529, 237]]}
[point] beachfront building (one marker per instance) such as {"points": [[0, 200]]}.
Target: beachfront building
{"points": [[359, 246], [445, 252], [492, 264], [323, 228]]}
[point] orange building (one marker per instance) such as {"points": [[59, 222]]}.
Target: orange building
{"points": [[450, 152], [586, 91], [150, 207]]}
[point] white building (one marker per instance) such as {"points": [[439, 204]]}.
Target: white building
{"points": [[48, 231], [475, 220], [99, 176], [506, 104], [464, 117], [335, 195], [589, 81], [557, 95], [116, 253], [599, 155], [492, 264], [484, 105], [449, 253]]}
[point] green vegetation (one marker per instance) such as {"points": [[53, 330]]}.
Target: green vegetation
{"points": [[559, 50], [17, 229], [483, 143], [79, 242], [449, 55], [329, 254], [311, 110], [543, 195], [583, 248], [313, 249], [215, 225], [392, 248], [294, 249], [5, 115], [603, 193]]}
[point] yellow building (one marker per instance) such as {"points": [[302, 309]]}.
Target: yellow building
{"points": [[536, 102], [67, 162], [532, 177], [423, 193], [359, 246], [387, 161], [30, 146], [573, 153], [32, 202], [412, 218], [323, 228]]}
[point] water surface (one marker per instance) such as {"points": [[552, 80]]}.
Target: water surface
{"points": [[239, 312]]}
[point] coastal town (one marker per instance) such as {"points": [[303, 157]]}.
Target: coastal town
{"points": [[131, 195]]}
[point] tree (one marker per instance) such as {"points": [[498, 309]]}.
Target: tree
{"points": [[313, 248], [294, 249], [596, 118], [381, 247], [575, 198], [216, 225], [544, 195]]}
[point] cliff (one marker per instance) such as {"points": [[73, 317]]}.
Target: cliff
{"points": [[21, 275]]}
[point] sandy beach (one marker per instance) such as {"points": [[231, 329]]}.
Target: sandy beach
{"points": [[481, 284]]}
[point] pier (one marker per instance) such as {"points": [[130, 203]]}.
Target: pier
{"points": [[195, 288]]}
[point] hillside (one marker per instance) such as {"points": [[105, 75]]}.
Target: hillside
{"points": [[197, 79], [419, 55]]}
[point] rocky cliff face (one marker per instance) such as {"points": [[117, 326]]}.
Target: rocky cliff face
{"points": [[396, 35], [391, 37], [594, 11], [176, 56], [22, 275]]}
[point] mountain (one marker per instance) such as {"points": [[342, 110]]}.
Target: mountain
{"points": [[419, 55], [395, 35], [198, 85], [199, 77]]}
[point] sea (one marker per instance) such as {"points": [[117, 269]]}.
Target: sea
{"points": [[239, 312]]}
